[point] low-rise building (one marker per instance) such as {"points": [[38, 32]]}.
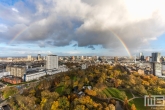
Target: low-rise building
{"points": [[12, 79], [33, 75]]}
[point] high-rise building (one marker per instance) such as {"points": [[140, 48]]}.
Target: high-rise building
{"points": [[39, 57], [157, 69], [52, 62], [156, 57], [82, 57], [29, 57], [163, 68], [140, 55], [142, 58]]}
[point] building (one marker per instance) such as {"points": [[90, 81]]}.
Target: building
{"points": [[147, 58], [9, 59], [73, 58], [2, 74], [29, 58], [163, 69], [82, 57], [156, 57], [142, 58], [39, 57], [140, 54], [52, 62], [16, 70], [157, 69], [33, 75], [12, 79], [115, 59]]}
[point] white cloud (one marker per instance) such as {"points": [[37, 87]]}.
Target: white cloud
{"points": [[15, 10]]}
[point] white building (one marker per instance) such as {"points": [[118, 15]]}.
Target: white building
{"points": [[34, 75], [52, 62]]}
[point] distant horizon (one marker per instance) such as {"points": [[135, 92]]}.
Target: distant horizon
{"points": [[75, 55]]}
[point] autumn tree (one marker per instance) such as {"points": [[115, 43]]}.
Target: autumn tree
{"points": [[90, 92], [79, 107], [54, 105], [133, 107], [140, 89], [117, 82]]}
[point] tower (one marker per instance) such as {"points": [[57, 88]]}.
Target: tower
{"points": [[52, 62], [156, 57]]}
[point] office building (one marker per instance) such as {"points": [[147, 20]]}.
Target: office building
{"points": [[52, 62], [156, 57]]}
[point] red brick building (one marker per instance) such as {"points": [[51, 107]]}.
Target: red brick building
{"points": [[12, 79]]}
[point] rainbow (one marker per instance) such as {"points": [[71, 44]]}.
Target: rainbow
{"points": [[122, 42], [18, 34]]}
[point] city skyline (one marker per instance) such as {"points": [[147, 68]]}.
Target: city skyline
{"points": [[81, 27]]}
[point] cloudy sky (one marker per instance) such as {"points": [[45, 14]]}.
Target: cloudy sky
{"points": [[82, 27]]}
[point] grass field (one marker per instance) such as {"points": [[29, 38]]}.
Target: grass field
{"points": [[115, 93], [106, 93], [139, 103], [128, 93]]}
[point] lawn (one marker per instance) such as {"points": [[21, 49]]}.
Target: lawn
{"points": [[128, 93], [139, 103], [106, 93], [115, 93]]}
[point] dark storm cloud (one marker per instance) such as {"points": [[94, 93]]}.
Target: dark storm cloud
{"points": [[88, 22]]}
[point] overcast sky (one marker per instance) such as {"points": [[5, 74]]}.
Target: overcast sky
{"points": [[82, 27]]}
